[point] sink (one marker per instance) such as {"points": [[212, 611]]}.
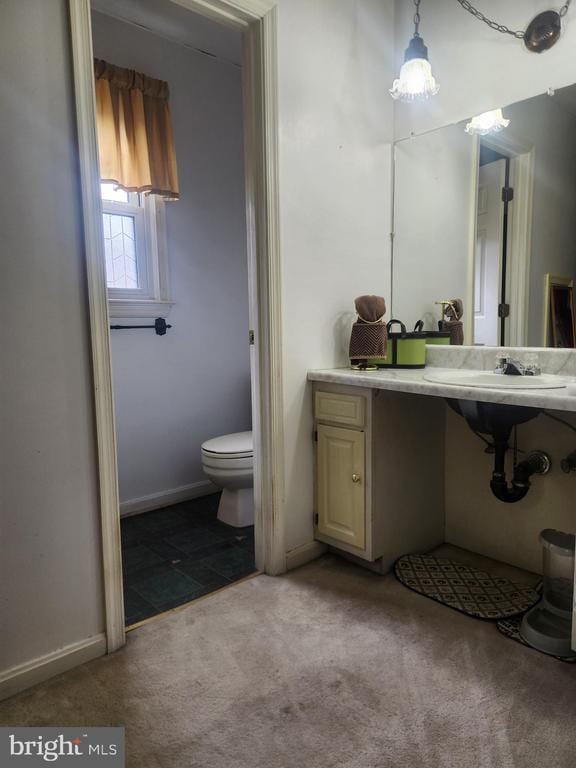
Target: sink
{"points": [[489, 380]]}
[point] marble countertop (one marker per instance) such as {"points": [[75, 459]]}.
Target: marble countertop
{"points": [[412, 381]]}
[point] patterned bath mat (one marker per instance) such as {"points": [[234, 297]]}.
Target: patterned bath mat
{"points": [[465, 589], [510, 628]]}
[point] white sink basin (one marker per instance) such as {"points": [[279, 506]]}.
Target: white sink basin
{"points": [[489, 380]]}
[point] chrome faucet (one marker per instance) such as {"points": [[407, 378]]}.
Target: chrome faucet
{"points": [[507, 366]]}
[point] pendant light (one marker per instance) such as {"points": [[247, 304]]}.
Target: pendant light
{"points": [[488, 122], [416, 80]]}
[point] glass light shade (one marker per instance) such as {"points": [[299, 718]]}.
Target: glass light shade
{"points": [[416, 81], [488, 122]]}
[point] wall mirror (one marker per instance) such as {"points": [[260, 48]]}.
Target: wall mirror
{"points": [[491, 220]]}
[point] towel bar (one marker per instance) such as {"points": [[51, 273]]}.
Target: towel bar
{"points": [[159, 326]]}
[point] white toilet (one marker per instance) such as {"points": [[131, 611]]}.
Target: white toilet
{"points": [[228, 461]]}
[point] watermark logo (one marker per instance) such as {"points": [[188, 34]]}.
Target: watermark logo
{"points": [[31, 747]]}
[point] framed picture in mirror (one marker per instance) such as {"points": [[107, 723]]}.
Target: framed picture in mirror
{"points": [[560, 322]]}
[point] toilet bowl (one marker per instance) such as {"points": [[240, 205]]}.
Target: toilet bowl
{"points": [[228, 461]]}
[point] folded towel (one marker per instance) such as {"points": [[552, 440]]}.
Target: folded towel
{"points": [[369, 336], [452, 321], [456, 330], [370, 309]]}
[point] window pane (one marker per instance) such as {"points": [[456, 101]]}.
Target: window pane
{"points": [[114, 193], [120, 250]]}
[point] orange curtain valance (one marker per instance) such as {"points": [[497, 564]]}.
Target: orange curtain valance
{"points": [[135, 138]]}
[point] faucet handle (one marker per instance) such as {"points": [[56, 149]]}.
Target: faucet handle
{"points": [[501, 363], [532, 370], [532, 364], [508, 366]]}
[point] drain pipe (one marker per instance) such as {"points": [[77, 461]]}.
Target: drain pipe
{"points": [[498, 420], [537, 463]]}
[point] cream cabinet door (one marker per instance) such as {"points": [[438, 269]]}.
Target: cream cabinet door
{"points": [[341, 485]]}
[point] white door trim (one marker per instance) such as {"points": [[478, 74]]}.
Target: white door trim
{"points": [[520, 248], [471, 255], [257, 19], [100, 337]]}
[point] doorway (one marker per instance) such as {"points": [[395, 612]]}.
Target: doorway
{"points": [[490, 308], [183, 532], [260, 140], [504, 185]]}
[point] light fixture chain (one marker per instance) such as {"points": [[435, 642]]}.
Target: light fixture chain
{"points": [[467, 5], [494, 24], [417, 18]]}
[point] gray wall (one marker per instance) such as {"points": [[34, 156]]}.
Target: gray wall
{"points": [[176, 391], [50, 572]]}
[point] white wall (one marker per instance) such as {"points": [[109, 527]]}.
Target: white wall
{"points": [[434, 196], [174, 392], [335, 128], [50, 558], [479, 69]]}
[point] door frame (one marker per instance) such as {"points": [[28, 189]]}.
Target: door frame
{"points": [[257, 19], [498, 282], [519, 254]]}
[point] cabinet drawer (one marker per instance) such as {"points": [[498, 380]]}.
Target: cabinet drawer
{"points": [[340, 409]]}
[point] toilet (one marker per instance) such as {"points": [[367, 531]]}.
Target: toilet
{"points": [[228, 461]]}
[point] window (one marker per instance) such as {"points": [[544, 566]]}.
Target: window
{"points": [[135, 251]]}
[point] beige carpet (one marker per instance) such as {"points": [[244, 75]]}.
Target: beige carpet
{"points": [[328, 666]]}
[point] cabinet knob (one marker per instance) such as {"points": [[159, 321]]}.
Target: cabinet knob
{"points": [[356, 478]]}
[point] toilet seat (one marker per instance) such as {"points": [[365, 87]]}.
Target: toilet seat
{"points": [[229, 447], [227, 463]]}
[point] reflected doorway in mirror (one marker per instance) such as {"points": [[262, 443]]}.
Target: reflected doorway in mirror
{"points": [[559, 321], [490, 250]]}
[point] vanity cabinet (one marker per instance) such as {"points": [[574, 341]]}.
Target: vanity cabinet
{"points": [[379, 472]]}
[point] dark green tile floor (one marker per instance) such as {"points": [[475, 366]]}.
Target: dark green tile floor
{"points": [[174, 555]]}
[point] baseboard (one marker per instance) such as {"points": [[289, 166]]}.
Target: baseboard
{"points": [[38, 670], [381, 566], [167, 498], [304, 554]]}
